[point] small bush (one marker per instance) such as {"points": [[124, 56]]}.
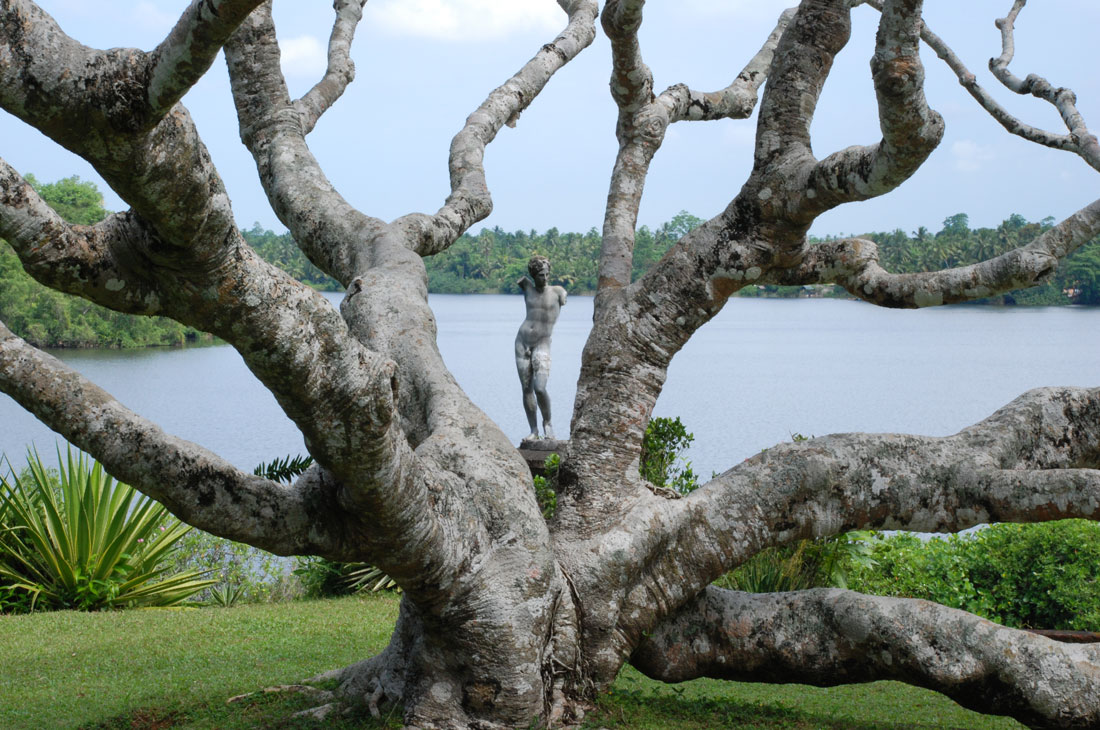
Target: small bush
{"points": [[241, 572], [75, 538], [1043, 576], [805, 564], [662, 463], [323, 578]]}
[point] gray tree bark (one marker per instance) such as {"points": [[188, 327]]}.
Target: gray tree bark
{"points": [[507, 617]]}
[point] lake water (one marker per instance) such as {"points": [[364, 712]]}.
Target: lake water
{"points": [[762, 371]]}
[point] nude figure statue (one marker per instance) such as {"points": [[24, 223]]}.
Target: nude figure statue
{"points": [[533, 342]]}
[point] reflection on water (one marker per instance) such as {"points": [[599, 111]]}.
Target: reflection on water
{"points": [[760, 372]]}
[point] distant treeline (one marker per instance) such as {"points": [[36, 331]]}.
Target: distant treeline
{"points": [[1076, 281], [493, 260]]}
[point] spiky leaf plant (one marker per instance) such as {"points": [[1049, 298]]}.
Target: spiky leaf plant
{"points": [[75, 538]]}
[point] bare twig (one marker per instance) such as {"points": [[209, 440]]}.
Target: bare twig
{"points": [[470, 200], [341, 69]]}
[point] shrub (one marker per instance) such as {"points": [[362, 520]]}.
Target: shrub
{"points": [[324, 578], [805, 564], [241, 572], [75, 538], [1027, 576], [662, 463]]}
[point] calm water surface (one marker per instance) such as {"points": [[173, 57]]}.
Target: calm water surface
{"points": [[762, 371]]}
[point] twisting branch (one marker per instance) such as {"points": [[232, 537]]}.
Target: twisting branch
{"points": [[643, 122], [470, 201], [73, 259], [853, 264], [1079, 140], [737, 100], [910, 129], [273, 130], [341, 69], [828, 637], [640, 130], [1063, 99], [631, 79], [95, 91], [999, 65]]}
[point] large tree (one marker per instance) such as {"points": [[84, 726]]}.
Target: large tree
{"points": [[506, 616]]}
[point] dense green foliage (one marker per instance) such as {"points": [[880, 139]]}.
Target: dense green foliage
{"points": [[75, 538], [805, 564], [77, 201], [546, 487], [1044, 576], [324, 578], [47, 318]]}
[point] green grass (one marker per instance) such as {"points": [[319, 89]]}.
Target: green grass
{"points": [[639, 703], [68, 669], [163, 668]]}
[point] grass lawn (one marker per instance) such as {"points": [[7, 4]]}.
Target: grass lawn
{"points": [[153, 669]]}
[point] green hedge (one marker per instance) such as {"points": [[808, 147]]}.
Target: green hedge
{"points": [[1044, 576]]}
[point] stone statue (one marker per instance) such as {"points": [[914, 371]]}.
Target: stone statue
{"points": [[533, 342]]}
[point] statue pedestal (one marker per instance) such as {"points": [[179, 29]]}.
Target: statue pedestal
{"points": [[535, 451]]}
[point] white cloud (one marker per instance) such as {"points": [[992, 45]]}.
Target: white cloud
{"points": [[466, 20], [970, 156], [303, 56]]}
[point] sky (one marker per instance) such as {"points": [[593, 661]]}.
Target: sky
{"points": [[424, 65]]}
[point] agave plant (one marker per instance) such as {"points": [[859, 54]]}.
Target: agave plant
{"points": [[75, 538], [367, 578]]}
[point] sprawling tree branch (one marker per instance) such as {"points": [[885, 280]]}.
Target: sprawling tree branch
{"points": [[198, 486], [185, 55], [1079, 140], [853, 264], [91, 92], [910, 129], [1061, 98], [828, 637], [273, 129], [341, 69], [470, 201], [180, 254], [643, 122], [74, 259], [1038, 458]]}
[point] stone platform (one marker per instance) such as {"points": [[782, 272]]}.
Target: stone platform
{"points": [[535, 451]]}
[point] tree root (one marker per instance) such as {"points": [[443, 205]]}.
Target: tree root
{"points": [[316, 692]]}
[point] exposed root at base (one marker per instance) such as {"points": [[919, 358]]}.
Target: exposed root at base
{"points": [[321, 695]]}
